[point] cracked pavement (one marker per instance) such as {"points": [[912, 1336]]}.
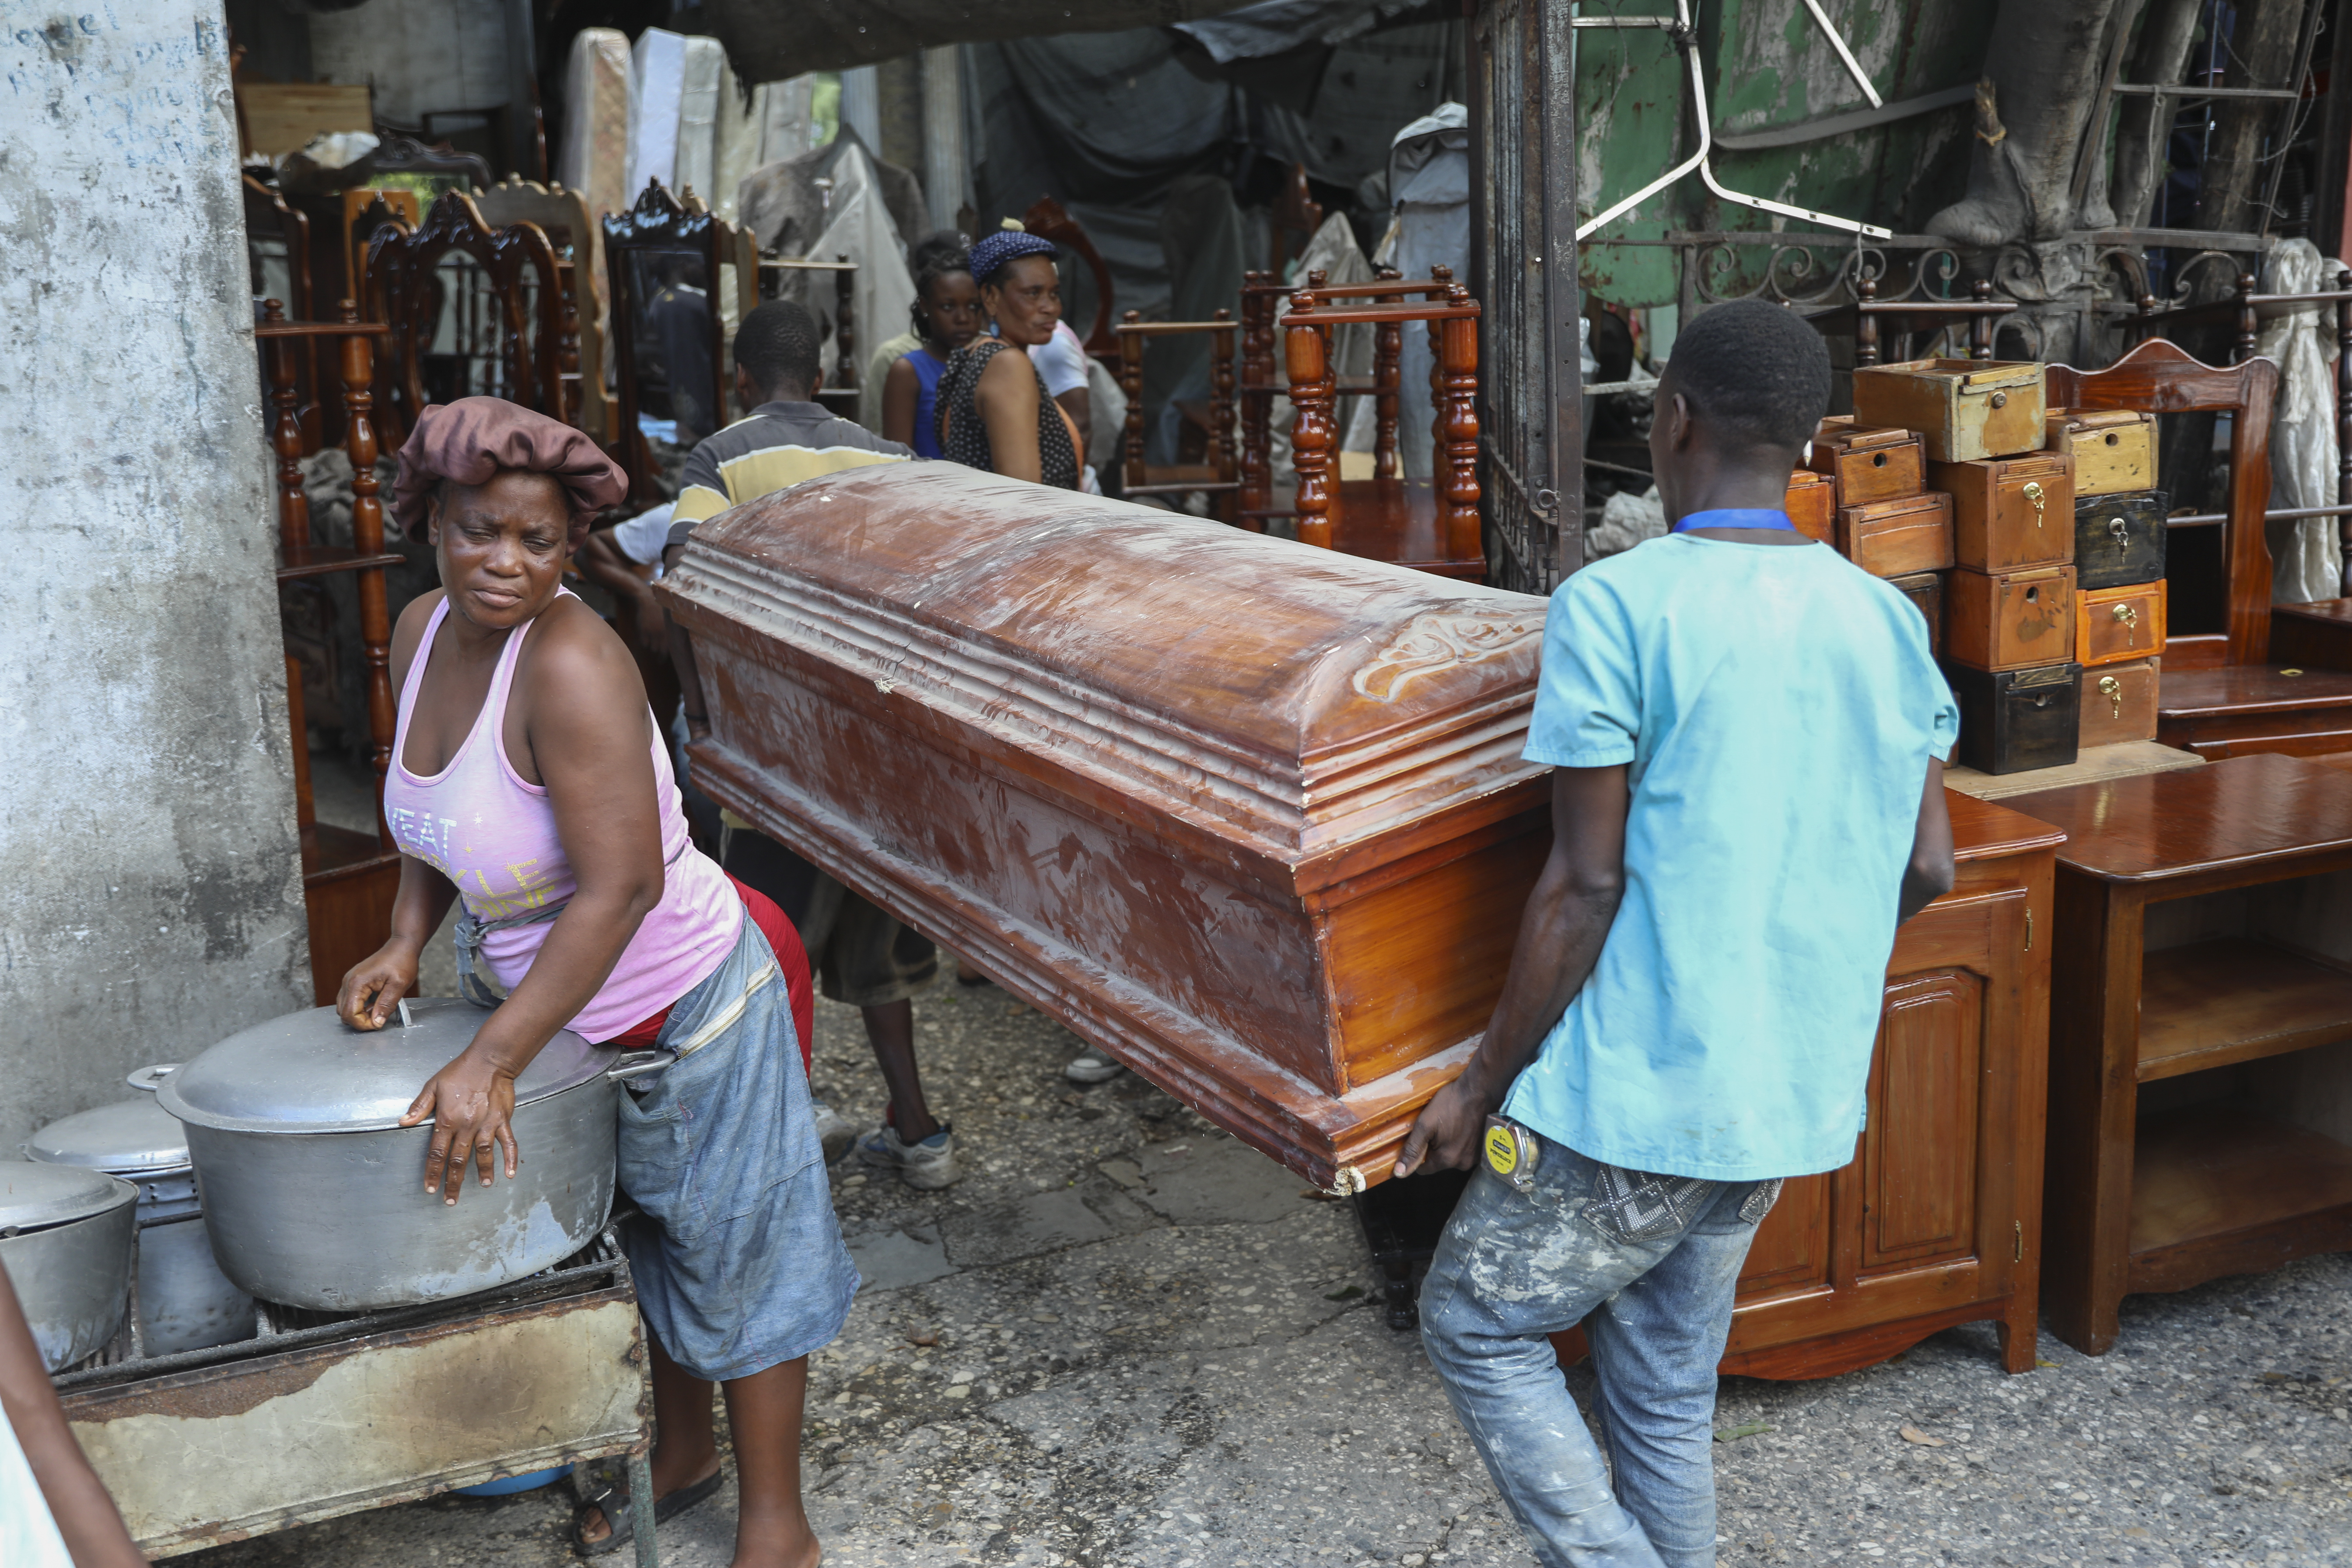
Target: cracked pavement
{"points": [[1125, 1341]]}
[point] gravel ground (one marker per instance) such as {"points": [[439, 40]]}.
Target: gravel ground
{"points": [[1127, 1340]]}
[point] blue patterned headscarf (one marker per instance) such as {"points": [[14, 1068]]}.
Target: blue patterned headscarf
{"points": [[988, 256]]}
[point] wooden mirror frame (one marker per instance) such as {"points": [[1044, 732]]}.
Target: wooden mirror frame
{"points": [[658, 222]]}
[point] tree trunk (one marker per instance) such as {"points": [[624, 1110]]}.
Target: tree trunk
{"points": [[2237, 172], [2161, 57], [2042, 74]]}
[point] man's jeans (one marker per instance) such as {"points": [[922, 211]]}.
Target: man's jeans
{"points": [[1653, 1261]]}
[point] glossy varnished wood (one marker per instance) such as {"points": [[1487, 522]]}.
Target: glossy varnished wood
{"points": [[2119, 1014], [1249, 814]]}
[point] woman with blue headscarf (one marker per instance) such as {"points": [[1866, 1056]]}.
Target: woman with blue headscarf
{"points": [[994, 412]]}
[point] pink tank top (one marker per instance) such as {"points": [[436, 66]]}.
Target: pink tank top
{"points": [[493, 834]]}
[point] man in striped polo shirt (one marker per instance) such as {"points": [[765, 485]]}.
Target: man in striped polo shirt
{"points": [[863, 956]]}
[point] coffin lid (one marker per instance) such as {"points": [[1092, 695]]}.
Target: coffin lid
{"points": [[1304, 697], [311, 1072]]}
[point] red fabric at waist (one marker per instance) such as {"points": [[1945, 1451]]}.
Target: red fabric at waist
{"points": [[791, 957]]}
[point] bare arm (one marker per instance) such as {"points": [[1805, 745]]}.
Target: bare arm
{"points": [[87, 1518], [601, 561], [1010, 406], [902, 390], [591, 743], [1079, 405], [1566, 920], [1929, 873]]}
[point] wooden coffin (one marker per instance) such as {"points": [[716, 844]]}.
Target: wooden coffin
{"points": [[2011, 512], [2118, 702], [1963, 409], [2112, 625], [1812, 505], [2120, 538], [1899, 537], [1869, 465], [2113, 449], [2013, 620], [1249, 815]]}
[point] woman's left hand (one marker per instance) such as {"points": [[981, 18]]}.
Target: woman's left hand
{"points": [[471, 1103]]}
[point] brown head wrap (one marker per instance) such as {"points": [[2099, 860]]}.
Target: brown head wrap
{"points": [[471, 439]]}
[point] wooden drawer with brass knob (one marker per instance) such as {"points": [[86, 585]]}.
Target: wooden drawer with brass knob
{"points": [[2113, 624], [2118, 702], [2011, 512], [2119, 538], [2010, 620], [1870, 465], [2113, 449], [1963, 409]]}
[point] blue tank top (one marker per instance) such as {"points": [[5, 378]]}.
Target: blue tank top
{"points": [[928, 370]]}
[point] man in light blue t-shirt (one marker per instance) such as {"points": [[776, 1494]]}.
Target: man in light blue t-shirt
{"points": [[1747, 801]]}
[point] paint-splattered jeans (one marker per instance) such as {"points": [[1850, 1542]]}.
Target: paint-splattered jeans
{"points": [[1653, 1261]]}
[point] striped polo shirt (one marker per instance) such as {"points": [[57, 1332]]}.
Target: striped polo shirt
{"points": [[778, 444]]}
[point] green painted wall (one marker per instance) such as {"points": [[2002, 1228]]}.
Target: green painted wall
{"points": [[1766, 63]]}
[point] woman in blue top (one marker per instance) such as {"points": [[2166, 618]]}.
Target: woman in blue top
{"points": [[947, 317]]}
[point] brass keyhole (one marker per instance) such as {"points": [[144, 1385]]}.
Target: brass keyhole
{"points": [[2121, 529], [2112, 690], [2033, 493], [2129, 615]]}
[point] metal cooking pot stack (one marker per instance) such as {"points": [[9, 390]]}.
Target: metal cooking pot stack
{"points": [[65, 1242], [315, 1194], [185, 1303]]}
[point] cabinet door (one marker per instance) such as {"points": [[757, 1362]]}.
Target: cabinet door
{"points": [[1919, 1150]]}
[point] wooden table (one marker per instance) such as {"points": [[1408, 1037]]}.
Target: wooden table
{"points": [[2218, 1175]]}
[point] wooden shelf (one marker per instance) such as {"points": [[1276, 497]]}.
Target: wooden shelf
{"points": [[330, 852], [319, 560], [2234, 999], [2217, 1189]]}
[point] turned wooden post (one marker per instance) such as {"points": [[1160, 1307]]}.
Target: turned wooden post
{"points": [[1459, 431], [286, 438], [845, 326], [1388, 384], [2344, 419], [2249, 331], [1130, 381], [1257, 492], [367, 539], [573, 398], [1981, 324], [1866, 321], [1308, 352], [1221, 411]]}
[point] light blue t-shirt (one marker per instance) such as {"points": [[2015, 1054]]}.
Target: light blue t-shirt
{"points": [[1779, 706]]}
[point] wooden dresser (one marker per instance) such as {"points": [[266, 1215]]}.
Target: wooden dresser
{"points": [[2204, 994]]}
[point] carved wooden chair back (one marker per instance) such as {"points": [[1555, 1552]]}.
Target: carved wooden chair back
{"points": [[503, 313], [840, 391], [2158, 378], [640, 245], [1217, 475], [1870, 318], [578, 241], [1047, 219], [277, 250], [1452, 324]]}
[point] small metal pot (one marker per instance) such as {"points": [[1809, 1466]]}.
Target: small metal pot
{"points": [[185, 1302], [315, 1195], [65, 1242]]}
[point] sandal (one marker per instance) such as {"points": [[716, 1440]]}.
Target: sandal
{"points": [[612, 1503]]}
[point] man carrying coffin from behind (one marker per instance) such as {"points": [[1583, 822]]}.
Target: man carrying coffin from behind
{"points": [[1748, 802]]}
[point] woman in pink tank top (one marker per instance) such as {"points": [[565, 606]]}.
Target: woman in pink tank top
{"points": [[530, 780]]}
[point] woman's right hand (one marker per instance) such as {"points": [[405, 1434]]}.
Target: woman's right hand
{"points": [[374, 986]]}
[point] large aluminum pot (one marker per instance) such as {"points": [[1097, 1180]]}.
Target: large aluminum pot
{"points": [[65, 1242], [185, 1302], [315, 1195]]}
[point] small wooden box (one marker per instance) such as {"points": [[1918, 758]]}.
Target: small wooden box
{"points": [[2112, 625], [1963, 409], [2013, 620], [2113, 449], [1896, 538], [2119, 538], [1870, 465], [1925, 592], [2015, 720], [1812, 505], [2011, 512], [2118, 702]]}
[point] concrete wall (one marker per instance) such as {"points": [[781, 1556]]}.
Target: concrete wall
{"points": [[419, 55], [151, 899]]}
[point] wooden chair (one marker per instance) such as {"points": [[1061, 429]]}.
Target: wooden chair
{"points": [[1431, 525], [514, 292], [1216, 475], [348, 879], [563, 216], [278, 236], [659, 226], [1868, 320], [1048, 219], [841, 391]]}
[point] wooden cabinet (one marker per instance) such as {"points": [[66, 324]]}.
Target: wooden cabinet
{"points": [[1936, 1222], [2183, 1136]]}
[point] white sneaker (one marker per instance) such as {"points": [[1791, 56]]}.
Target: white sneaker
{"points": [[926, 1167], [835, 1131], [1091, 1066]]}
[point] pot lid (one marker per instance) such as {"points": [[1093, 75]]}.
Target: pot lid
{"points": [[37, 1198], [151, 1078], [130, 1138], [311, 1072]]}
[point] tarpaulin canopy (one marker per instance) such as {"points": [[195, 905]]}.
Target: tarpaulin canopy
{"points": [[767, 41]]}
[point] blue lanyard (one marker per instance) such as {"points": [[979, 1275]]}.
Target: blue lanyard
{"points": [[1736, 517]]}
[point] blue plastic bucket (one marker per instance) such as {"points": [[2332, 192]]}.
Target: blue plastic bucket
{"points": [[514, 1484]]}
